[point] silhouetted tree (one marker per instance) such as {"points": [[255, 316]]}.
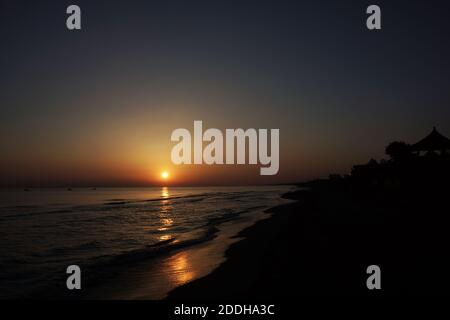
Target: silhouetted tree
{"points": [[334, 176], [398, 151]]}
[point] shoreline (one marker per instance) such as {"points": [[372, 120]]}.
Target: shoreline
{"points": [[323, 243], [155, 278], [242, 263], [123, 239]]}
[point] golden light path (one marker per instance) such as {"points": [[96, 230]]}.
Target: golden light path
{"points": [[178, 267], [154, 278], [165, 214]]}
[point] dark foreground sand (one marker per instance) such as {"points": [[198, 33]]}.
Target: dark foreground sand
{"points": [[323, 243]]}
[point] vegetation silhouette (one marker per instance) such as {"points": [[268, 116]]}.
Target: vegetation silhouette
{"points": [[396, 217], [391, 213]]}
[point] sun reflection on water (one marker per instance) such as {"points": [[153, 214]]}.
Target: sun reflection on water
{"points": [[165, 214], [165, 237], [179, 269], [164, 192]]}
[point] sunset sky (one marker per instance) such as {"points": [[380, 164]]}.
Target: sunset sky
{"points": [[97, 106]]}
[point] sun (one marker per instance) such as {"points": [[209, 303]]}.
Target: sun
{"points": [[165, 175]]}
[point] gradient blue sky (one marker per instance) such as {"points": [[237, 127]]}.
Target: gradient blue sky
{"points": [[97, 106]]}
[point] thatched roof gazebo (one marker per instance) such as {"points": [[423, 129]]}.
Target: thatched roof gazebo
{"points": [[433, 142]]}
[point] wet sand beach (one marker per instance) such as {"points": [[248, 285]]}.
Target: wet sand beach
{"points": [[323, 243], [154, 278]]}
